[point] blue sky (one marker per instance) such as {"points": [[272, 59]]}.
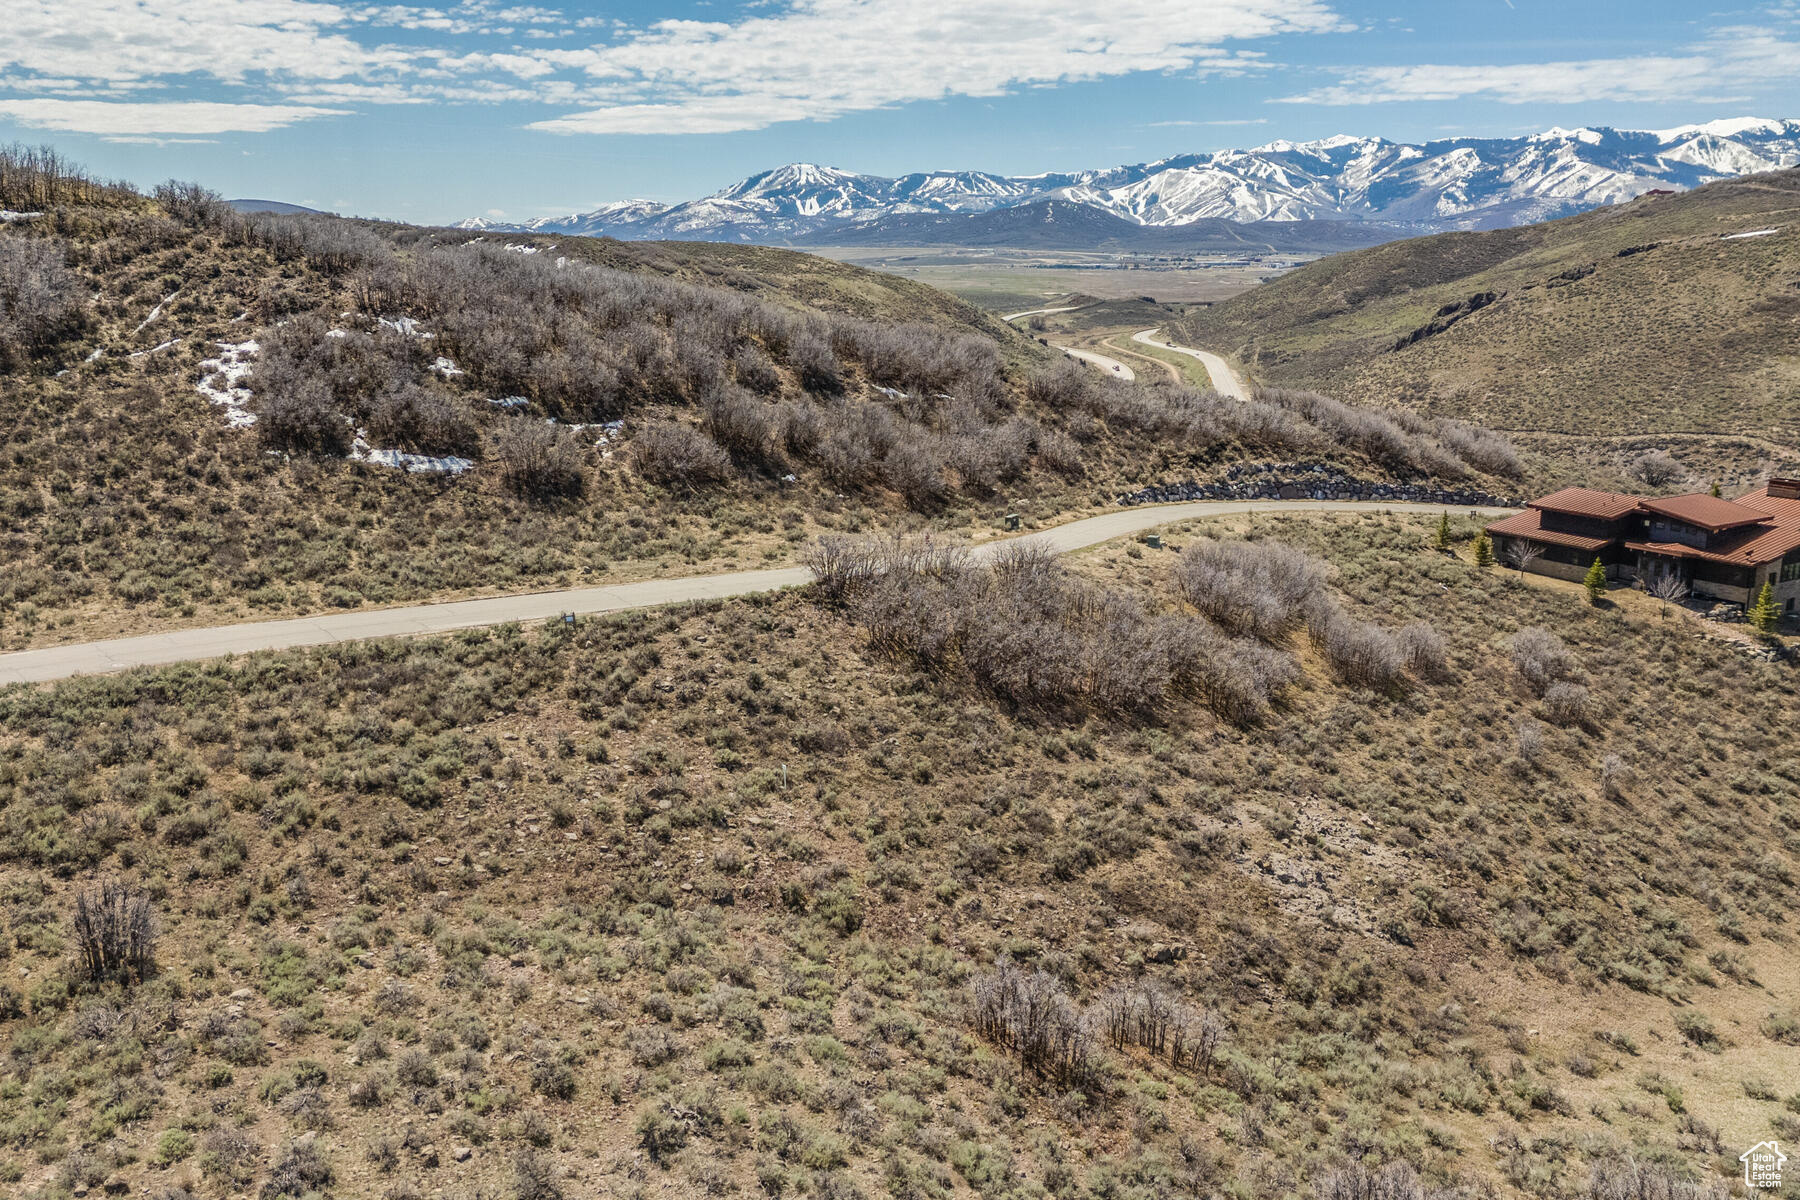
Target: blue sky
{"points": [[435, 110]]}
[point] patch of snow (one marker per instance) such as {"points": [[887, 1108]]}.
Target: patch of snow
{"points": [[1732, 237], [337, 333], [157, 311], [523, 249], [415, 464], [236, 359], [8, 215], [892, 393], [445, 367], [405, 326], [95, 356], [561, 262], [508, 401], [154, 349]]}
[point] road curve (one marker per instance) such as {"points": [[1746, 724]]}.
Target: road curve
{"points": [[182, 645], [1224, 379], [1111, 366], [1032, 312]]}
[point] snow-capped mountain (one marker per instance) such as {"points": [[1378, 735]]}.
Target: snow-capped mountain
{"points": [[1457, 183]]}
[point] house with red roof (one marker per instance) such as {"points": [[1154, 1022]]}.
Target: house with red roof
{"points": [[1721, 549]]}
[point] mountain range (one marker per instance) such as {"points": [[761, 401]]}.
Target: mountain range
{"points": [[1396, 187]]}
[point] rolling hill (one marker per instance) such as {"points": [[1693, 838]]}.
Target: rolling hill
{"points": [[1668, 314]]}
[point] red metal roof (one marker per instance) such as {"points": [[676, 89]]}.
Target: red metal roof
{"points": [[1530, 524], [1755, 545], [1587, 502], [1708, 512]]}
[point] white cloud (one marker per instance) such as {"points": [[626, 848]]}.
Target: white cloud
{"points": [[153, 117], [227, 40], [819, 59], [1721, 69]]}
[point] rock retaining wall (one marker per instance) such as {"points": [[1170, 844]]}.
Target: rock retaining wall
{"points": [[1309, 481]]}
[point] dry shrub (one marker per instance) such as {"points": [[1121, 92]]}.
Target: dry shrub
{"points": [[1146, 1014], [41, 300], [115, 932], [1361, 653], [411, 417], [747, 428], [1256, 588], [302, 417], [667, 453], [1422, 650], [1656, 469], [1030, 633], [1030, 1014], [537, 462], [1632, 1179], [1568, 703], [1540, 658], [1358, 1181]]}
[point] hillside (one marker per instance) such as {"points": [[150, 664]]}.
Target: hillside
{"points": [[719, 901], [219, 416], [1669, 314]]}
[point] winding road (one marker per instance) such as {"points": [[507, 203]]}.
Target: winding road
{"points": [[1224, 380], [182, 645], [1111, 366]]}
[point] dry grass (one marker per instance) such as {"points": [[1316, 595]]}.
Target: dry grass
{"points": [[696, 898]]}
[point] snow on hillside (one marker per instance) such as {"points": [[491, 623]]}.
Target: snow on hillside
{"points": [[1456, 183]]}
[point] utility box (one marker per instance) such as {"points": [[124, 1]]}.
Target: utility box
{"points": [[1012, 522], [1153, 540]]}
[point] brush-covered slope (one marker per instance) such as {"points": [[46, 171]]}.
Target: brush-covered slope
{"points": [[1667, 314], [710, 902], [216, 415]]}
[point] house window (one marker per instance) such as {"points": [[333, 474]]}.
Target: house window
{"points": [[1790, 571]]}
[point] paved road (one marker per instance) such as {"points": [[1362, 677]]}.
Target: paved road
{"points": [[1224, 379], [98, 658], [1111, 366], [1032, 312]]}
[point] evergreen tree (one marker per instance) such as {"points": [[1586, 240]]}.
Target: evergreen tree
{"points": [[1595, 583], [1715, 488], [1484, 550], [1764, 614], [1443, 531]]}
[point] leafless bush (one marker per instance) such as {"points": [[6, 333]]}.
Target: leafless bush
{"points": [[35, 178], [1257, 588], [1481, 448], [115, 932], [1631, 1179], [1392, 438], [1567, 703], [1146, 1015], [1394, 1181], [537, 462], [667, 453], [41, 300], [1029, 632], [754, 371], [1360, 652], [811, 357], [1031, 1015], [302, 1171], [536, 1176], [745, 426], [412, 417], [193, 205], [1058, 451], [1422, 649], [1656, 469], [1540, 658]]}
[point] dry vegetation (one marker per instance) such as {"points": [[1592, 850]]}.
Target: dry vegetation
{"points": [[1637, 320], [629, 408], [743, 899]]}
